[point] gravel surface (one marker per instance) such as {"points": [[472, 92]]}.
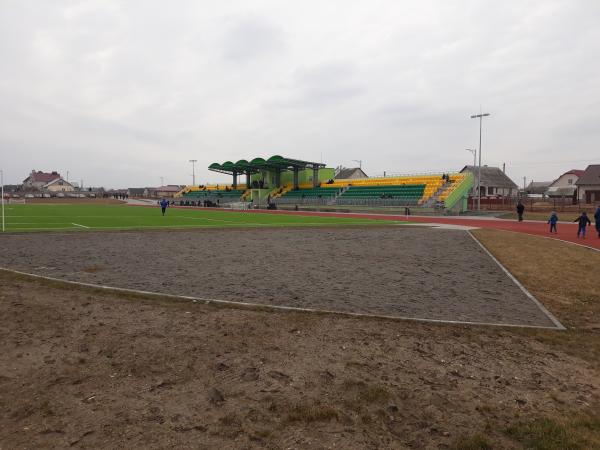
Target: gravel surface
{"points": [[396, 271]]}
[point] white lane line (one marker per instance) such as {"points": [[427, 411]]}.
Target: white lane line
{"points": [[77, 225], [553, 239], [263, 306], [529, 295]]}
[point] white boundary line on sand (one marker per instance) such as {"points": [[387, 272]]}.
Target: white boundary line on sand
{"points": [[78, 225], [277, 307], [542, 308]]}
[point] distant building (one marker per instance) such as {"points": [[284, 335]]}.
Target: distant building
{"points": [[163, 191], [345, 173], [588, 185], [137, 192], [494, 182], [37, 180], [58, 185], [537, 187], [565, 186]]}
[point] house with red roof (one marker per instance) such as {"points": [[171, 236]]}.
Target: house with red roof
{"points": [[37, 180]]}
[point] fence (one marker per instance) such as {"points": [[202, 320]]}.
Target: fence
{"points": [[530, 203]]}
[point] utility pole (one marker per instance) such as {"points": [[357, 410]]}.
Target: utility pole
{"points": [[2, 184], [479, 116], [474, 152], [162, 181], [67, 176], [193, 161], [359, 161]]}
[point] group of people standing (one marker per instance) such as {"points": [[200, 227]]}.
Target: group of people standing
{"points": [[583, 220]]}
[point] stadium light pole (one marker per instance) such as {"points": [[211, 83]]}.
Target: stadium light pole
{"points": [[2, 184], [474, 152], [479, 116], [193, 161]]}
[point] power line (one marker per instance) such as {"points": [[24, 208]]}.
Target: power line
{"points": [[547, 163]]}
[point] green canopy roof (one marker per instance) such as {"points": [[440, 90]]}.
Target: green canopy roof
{"points": [[275, 162]]}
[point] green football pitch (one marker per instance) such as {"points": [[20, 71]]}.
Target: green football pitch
{"points": [[123, 217]]}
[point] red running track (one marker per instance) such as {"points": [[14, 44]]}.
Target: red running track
{"points": [[566, 231]]}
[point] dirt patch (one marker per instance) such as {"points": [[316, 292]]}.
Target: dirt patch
{"points": [[392, 271], [83, 369], [568, 286]]}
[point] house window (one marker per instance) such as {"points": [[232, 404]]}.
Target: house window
{"points": [[490, 191], [570, 181]]}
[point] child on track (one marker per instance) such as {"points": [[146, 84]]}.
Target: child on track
{"points": [[584, 221], [553, 221]]}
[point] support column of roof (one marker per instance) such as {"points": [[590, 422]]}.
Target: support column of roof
{"points": [[296, 170]]}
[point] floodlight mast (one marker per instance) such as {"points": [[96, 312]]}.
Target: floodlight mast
{"points": [[474, 152], [480, 117], [193, 161]]}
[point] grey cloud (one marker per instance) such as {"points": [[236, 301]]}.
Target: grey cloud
{"points": [[322, 86], [251, 38]]}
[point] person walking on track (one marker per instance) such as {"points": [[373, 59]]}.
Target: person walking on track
{"points": [[597, 219], [520, 210], [584, 221], [552, 221], [164, 204]]}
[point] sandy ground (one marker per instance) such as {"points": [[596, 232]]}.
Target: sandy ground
{"points": [[82, 369], [396, 271]]}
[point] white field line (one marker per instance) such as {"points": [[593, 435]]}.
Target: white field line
{"points": [[78, 225], [555, 239], [529, 295], [208, 301], [41, 229]]}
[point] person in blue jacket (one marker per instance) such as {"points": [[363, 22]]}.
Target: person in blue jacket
{"points": [[553, 221], [164, 204], [597, 219], [584, 221]]}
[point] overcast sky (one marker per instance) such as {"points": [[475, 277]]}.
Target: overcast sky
{"points": [[121, 93]]}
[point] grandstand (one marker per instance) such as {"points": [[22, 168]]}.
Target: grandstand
{"points": [[226, 195], [284, 181]]}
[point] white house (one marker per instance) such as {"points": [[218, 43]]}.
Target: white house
{"points": [[59, 185], [565, 185]]}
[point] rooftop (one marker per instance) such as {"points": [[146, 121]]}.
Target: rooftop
{"points": [[491, 176], [590, 176]]}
